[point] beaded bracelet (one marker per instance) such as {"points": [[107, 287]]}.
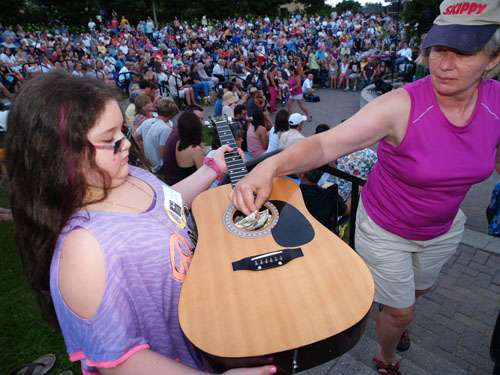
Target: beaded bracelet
{"points": [[212, 164]]}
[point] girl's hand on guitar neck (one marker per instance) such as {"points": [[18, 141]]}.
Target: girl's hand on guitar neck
{"points": [[219, 157], [264, 370], [254, 189]]}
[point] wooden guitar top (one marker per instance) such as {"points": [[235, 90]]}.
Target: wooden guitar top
{"points": [[251, 313]]}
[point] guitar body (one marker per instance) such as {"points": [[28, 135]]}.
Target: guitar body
{"points": [[301, 313]]}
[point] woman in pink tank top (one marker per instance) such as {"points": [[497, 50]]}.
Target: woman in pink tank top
{"points": [[257, 135], [438, 136], [295, 86]]}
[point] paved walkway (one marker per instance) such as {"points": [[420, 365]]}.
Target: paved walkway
{"points": [[453, 324]]}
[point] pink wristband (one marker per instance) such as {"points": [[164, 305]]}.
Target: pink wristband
{"points": [[212, 164]]}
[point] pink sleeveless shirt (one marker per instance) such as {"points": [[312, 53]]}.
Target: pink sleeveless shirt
{"points": [[254, 143], [415, 189]]}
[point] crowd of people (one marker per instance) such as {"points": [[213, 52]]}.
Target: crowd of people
{"points": [[193, 58]]}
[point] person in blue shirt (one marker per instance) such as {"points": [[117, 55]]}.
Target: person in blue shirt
{"points": [[218, 102]]}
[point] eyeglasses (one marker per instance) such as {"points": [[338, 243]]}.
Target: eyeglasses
{"points": [[117, 146]]}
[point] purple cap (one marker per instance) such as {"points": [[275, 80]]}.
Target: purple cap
{"points": [[461, 37]]}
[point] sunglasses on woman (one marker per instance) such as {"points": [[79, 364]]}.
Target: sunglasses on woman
{"points": [[117, 146]]}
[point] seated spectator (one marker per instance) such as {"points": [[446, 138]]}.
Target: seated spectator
{"points": [[228, 102], [218, 70], [123, 74], [354, 73], [257, 134], [359, 164], [344, 73], [154, 132], [130, 112], [324, 204], [321, 128], [383, 71], [198, 84], [296, 122], [369, 72], [218, 103], [240, 115], [307, 85], [186, 155], [255, 101], [280, 126], [150, 89], [177, 87], [210, 81], [144, 108], [324, 72], [404, 55]]}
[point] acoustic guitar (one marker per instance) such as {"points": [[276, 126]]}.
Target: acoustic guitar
{"points": [[291, 293]]}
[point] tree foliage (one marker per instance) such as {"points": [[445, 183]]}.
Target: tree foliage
{"points": [[421, 12], [346, 5], [77, 13]]}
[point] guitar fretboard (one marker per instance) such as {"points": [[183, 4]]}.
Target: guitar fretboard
{"points": [[235, 166]]}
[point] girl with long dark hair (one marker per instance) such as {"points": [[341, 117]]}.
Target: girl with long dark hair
{"points": [[99, 240]]}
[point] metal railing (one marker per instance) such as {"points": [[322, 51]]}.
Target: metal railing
{"points": [[355, 181]]}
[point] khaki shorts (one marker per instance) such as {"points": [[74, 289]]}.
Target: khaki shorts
{"points": [[400, 266]]}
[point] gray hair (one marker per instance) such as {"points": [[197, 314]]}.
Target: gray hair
{"points": [[492, 49]]}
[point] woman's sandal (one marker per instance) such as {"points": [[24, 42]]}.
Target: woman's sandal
{"points": [[386, 369], [404, 342], [39, 366]]}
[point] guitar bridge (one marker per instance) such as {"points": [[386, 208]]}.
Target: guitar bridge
{"points": [[269, 260]]}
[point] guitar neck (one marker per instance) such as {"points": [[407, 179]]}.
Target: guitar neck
{"points": [[235, 166]]}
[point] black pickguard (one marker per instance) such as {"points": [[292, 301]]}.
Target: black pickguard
{"points": [[292, 229]]}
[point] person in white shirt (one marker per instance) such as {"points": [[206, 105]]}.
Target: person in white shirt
{"points": [[307, 86], [154, 133], [177, 87], [404, 54], [122, 74], [91, 25]]}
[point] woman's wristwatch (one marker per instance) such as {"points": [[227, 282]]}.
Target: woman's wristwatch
{"points": [[212, 164]]}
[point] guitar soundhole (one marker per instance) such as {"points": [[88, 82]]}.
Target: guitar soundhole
{"points": [[231, 214]]}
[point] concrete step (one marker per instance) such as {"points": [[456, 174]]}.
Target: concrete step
{"points": [[343, 365], [416, 361]]}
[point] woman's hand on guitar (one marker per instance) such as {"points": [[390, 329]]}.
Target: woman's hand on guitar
{"points": [[253, 191], [264, 370]]}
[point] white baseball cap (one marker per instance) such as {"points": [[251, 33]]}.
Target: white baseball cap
{"points": [[296, 119]]}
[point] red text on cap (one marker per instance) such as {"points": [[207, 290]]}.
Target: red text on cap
{"points": [[461, 8]]}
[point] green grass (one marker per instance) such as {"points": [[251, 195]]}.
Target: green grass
{"points": [[24, 336], [207, 138]]}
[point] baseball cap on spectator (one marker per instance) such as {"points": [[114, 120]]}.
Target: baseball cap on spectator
{"points": [[296, 119], [176, 67], [466, 26]]}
